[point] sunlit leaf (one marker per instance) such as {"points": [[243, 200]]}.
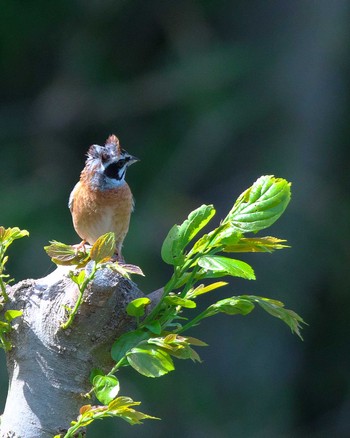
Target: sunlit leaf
{"points": [[106, 388], [66, 255], [196, 220], [5, 327], [132, 269], [150, 361], [12, 314], [175, 300], [137, 307], [125, 269], [122, 407], [162, 342], [171, 252], [224, 235], [16, 233], [103, 248], [227, 266], [201, 289], [85, 419], [78, 278], [276, 309], [261, 205], [122, 402], [8, 235], [180, 235], [178, 346], [231, 306], [255, 244], [201, 244]]}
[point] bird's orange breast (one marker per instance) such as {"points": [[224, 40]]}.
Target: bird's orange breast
{"points": [[97, 212]]}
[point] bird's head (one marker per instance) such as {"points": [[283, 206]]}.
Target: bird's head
{"points": [[106, 165]]}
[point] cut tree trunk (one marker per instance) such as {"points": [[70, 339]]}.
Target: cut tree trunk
{"points": [[49, 367]]}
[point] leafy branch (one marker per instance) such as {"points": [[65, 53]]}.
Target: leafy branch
{"points": [[7, 237], [121, 407], [158, 337]]}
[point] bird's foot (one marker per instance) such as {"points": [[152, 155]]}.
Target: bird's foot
{"points": [[80, 247]]}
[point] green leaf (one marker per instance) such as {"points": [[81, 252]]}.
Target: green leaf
{"points": [[231, 306], [175, 300], [186, 353], [178, 346], [180, 235], [8, 235], [66, 255], [276, 309], [121, 402], [106, 388], [183, 279], [201, 243], [137, 307], [171, 252], [78, 278], [126, 342], [131, 269], [262, 244], [5, 327], [150, 361], [95, 372], [103, 248], [135, 417], [16, 233], [125, 269], [121, 407], [224, 235], [261, 205], [167, 342], [201, 289], [226, 266], [154, 327], [196, 220], [195, 341], [12, 314]]}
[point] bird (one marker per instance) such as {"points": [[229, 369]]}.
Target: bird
{"points": [[102, 201]]}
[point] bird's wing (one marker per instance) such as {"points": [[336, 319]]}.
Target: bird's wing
{"points": [[71, 197]]}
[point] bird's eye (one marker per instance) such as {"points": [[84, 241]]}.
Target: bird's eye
{"points": [[113, 170]]}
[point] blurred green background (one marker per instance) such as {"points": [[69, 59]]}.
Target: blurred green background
{"points": [[209, 95]]}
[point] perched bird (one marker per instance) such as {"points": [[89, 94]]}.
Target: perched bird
{"points": [[102, 201]]}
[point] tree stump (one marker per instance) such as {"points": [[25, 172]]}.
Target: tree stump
{"points": [[49, 367]]}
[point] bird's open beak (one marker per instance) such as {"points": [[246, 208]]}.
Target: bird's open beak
{"points": [[132, 160]]}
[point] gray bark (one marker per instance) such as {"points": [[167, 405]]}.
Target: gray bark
{"points": [[49, 367]]}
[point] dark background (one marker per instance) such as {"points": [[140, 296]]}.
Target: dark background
{"points": [[210, 95]]}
